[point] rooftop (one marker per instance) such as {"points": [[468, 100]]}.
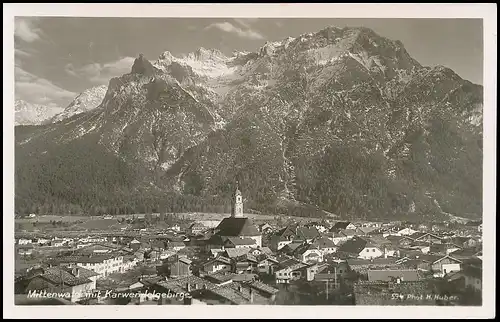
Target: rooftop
{"points": [[232, 226], [388, 275]]}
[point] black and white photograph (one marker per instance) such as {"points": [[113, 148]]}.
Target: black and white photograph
{"points": [[288, 162]]}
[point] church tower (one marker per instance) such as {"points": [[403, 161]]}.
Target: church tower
{"points": [[237, 203]]}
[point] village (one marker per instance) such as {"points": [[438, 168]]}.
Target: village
{"points": [[236, 261]]}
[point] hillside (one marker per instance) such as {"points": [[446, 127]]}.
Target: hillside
{"points": [[342, 120]]}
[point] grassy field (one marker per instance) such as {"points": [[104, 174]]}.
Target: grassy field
{"points": [[99, 223]]}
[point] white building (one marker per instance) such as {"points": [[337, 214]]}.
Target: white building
{"points": [[370, 252], [406, 232], [103, 264]]}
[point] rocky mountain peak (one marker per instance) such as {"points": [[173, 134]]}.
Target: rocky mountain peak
{"points": [[342, 120], [142, 66]]}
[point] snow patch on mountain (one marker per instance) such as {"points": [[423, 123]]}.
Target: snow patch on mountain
{"points": [[84, 102], [33, 114]]}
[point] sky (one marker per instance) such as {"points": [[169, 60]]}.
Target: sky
{"points": [[58, 57]]}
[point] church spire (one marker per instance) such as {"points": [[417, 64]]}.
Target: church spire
{"points": [[237, 202]]}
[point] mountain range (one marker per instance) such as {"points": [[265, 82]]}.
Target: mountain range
{"points": [[342, 121]]}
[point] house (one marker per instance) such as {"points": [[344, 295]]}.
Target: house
{"points": [[363, 265], [180, 267], [464, 242], [243, 266], [288, 270], [239, 242], [103, 265], [218, 264], [134, 244], [342, 225], [306, 234], [473, 277], [266, 228], [309, 272], [394, 275], [359, 248], [320, 227], [334, 271], [72, 283], [289, 234], [266, 264], [233, 253], [264, 289], [406, 232], [196, 228], [363, 231], [176, 245], [466, 253], [445, 265], [349, 233], [338, 237], [325, 245], [261, 250], [158, 245], [426, 237], [308, 253]]}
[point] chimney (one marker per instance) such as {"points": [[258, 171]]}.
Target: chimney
{"points": [[385, 252], [240, 289], [188, 287], [76, 272], [251, 295]]}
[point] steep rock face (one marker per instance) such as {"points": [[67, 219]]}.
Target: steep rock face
{"points": [[84, 102], [342, 120], [33, 114]]}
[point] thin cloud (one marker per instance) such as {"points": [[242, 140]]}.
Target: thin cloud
{"points": [[230, 28], [27, 30], [246, 22], [98, 73], [21, 53], [34, 89]]}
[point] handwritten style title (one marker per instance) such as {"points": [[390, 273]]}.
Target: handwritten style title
{"points": [[107, 294]]}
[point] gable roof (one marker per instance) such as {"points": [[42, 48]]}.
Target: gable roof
{"points": [[323, 242], [237, 241], [366, 230], [236, 252], [447, 256], [464, 253], [353, 246], [232, 226], [379, 240], [66, 275], [349, 232], [307, 232], [263, 287], [341, 225]]}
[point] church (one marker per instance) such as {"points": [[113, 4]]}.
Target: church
{"points": [[237, 225]]}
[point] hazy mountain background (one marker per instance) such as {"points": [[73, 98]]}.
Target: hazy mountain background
{"points": [[341, 120]]}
